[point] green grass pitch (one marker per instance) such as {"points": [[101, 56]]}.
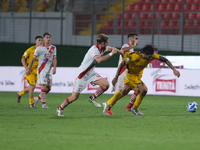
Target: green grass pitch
{"points": [[166, 124]]}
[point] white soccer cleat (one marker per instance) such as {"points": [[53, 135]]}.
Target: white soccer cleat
{"points": [[94, 101], [44, 106], [137, 112], [59, 112], [105, 109], [36, 99]]}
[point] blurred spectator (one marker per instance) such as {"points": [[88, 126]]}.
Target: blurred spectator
{"points": [[157, 63]]}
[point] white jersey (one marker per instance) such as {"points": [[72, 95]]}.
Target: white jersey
{"points": [[45, 56], [120, 57], [89, 62]]}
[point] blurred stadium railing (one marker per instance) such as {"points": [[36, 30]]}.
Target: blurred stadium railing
{"points": [[169, 24]]}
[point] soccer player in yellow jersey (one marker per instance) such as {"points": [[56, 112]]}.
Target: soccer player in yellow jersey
{"points": [[135, 63], [32, 78]]}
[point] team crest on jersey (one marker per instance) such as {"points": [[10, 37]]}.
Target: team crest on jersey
{"points": [[48, 55]]}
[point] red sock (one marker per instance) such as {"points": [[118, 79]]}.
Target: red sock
{"points": [[39, 96], [43, 96], [132, 100], [65, 104], [98, 92]]}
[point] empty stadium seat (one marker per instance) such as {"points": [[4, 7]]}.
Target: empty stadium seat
{"points": [[191, 15], [175, 16], [145, 8], [148, 1], [127, 16], [196, 1], [161, 7], [164, 1], [172, 1], [119, 16], [198, 15], [130, 8], [178, 7], [189, 1], [194, 7], [187, 7], [170, 7], [137, 7], [143, 16], [107, 24], [188, 23], [180, 1], [196, 23], [131, 23], [166, 16], [133, 16], [164, 23]]}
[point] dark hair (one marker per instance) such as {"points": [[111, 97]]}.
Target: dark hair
{"points": [[148, 49], [102, 38], [132, 35], [37, 37], [46, 33]]}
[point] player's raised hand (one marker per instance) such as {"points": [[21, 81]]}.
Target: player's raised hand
{"points": [[176, 72], [114, 50]]}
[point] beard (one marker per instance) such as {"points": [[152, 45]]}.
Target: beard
{"points": [[103, 48]]}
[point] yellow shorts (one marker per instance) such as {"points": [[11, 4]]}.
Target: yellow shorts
{"points": [[133, 79], [31, 79]]}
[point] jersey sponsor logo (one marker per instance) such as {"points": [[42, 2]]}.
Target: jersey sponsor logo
{"points": [[48, 55], [165, 83]]}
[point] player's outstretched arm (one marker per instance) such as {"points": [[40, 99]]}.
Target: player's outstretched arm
{"points": [[176, 72], [104, 58], [114, 81], [31, 64]]}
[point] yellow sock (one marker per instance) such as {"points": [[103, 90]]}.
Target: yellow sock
{"points": [[22, 92], [138, 101], [31, 101], [115, 97]]}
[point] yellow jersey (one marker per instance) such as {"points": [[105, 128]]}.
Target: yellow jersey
{"points": [[136, 64], [28, 55]]}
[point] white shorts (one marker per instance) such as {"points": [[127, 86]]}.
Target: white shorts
{"points": [[81, 84], [120, 83], [44, 78]]}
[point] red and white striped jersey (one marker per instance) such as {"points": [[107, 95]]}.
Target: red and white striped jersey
{"points": [[89, 61], [131, 50], [45, 56]]}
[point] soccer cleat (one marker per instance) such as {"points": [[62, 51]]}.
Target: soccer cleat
{"points": [[128, 108], [94, 101], [18, 97], [31, 106], [36, 99], [59, 112], [44, 106], [110, 113], [105, 110], [137, 112]]}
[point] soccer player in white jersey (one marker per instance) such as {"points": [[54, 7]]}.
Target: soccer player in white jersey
{"points": [[86, 73], [47, 56], [128, 47]]}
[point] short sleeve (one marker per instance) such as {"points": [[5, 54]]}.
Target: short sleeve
{"points": [[36, 53], [55, 53], [26, 54], [94, 52], [156, 56]]}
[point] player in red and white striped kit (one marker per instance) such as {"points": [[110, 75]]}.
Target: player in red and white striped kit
{"points": [[128, 47], [47, 56], [86, 73]]}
